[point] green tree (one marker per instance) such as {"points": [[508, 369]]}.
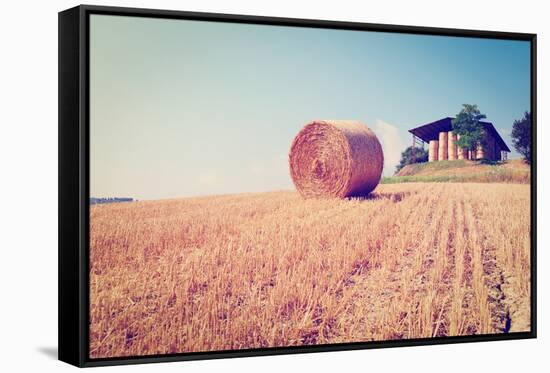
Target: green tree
{"points": [[420, 155], [467, 125], [521, 136]]}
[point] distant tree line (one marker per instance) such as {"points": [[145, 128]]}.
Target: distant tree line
{"points": [[96, 201]]}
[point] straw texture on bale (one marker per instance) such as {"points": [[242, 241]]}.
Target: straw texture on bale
{"points": [[335, 158], [443, 146], [433, 150], [451, 146]]}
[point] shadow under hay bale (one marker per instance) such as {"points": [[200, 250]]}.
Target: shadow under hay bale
{"points": [[393, 197]]}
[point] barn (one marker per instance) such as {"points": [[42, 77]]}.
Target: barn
{"points": [[442, 142]]}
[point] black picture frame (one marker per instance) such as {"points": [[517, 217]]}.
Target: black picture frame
{"points": [[74, 181]]}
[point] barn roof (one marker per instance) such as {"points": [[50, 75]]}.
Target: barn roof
{"points": [[431, 131]]}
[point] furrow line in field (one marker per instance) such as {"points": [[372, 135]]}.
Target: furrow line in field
{"points": [[479, 299], [329, 326], [425, 297], [405, 289], [459, 285], [469, 325], [493, 277], [445, 267], [376, 292]]}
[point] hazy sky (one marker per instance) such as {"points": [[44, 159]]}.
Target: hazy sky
{"points": [[183, 108]]}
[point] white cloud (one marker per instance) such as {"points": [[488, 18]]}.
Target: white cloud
{"points": [[505, 131], [392, 144]]}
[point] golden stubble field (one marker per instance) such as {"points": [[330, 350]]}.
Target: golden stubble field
{"points": [[271, 269]]}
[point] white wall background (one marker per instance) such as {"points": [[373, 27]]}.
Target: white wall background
{"points": [[28, 184]]}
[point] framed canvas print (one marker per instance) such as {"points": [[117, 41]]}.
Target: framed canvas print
{"points": [[237, 186]]}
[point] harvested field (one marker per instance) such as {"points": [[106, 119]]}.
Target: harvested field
{"points": [[272, 269]]}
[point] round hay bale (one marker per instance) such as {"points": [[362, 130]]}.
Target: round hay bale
{"points": [[335, 158], [433, 150], [443, 142], [451, 147]]}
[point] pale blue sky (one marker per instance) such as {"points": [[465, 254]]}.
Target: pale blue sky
{"points": [[183, 108]]}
